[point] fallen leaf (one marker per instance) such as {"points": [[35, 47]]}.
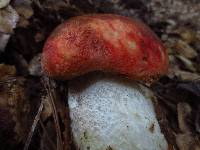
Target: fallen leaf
{"points": [[183, 75], [4, 3], [187, 34], [7, 71], [184, 114], [8, 21], [188, 64], [25, 11], [23, 8], [185, 49], [187, 141]]}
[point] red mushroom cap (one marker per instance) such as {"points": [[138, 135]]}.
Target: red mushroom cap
{"points": [[104, 42]]}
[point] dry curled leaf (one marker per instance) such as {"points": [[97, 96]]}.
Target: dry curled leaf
{"points": [[183, 75], [187, 141], [13, 98], [185, 50], [188, 64], [8, 21], [6, 71], [25, 11], [23, 8], [187, 34], [184, 115], [4, 3]]}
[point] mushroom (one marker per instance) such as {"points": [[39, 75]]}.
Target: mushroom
{"points": [[109, 110]]}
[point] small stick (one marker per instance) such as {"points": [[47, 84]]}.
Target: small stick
{"points": [[45, 131], [34, 125], [47, 86]]}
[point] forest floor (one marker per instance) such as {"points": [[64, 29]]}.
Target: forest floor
{"points": [[28, 100]]}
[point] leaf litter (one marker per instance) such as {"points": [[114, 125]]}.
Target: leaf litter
{"points": [[24, 27]]}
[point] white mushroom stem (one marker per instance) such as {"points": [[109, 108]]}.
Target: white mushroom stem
{"points": [[113, 114]]}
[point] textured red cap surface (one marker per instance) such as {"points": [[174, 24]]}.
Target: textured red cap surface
{"points": [[104, 42]]}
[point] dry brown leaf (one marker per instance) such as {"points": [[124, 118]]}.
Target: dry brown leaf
{"points": [[183, 75], [15, 101], [188, 64], [184, 114], [187, 141], [187, 34], [7, 71], [24, 9], [185, 50], [4, 3], [8, 21]]}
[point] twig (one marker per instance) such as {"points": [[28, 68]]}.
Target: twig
{"points": [[48, 88], [35, 122], [48, 138], [8, 80]]}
